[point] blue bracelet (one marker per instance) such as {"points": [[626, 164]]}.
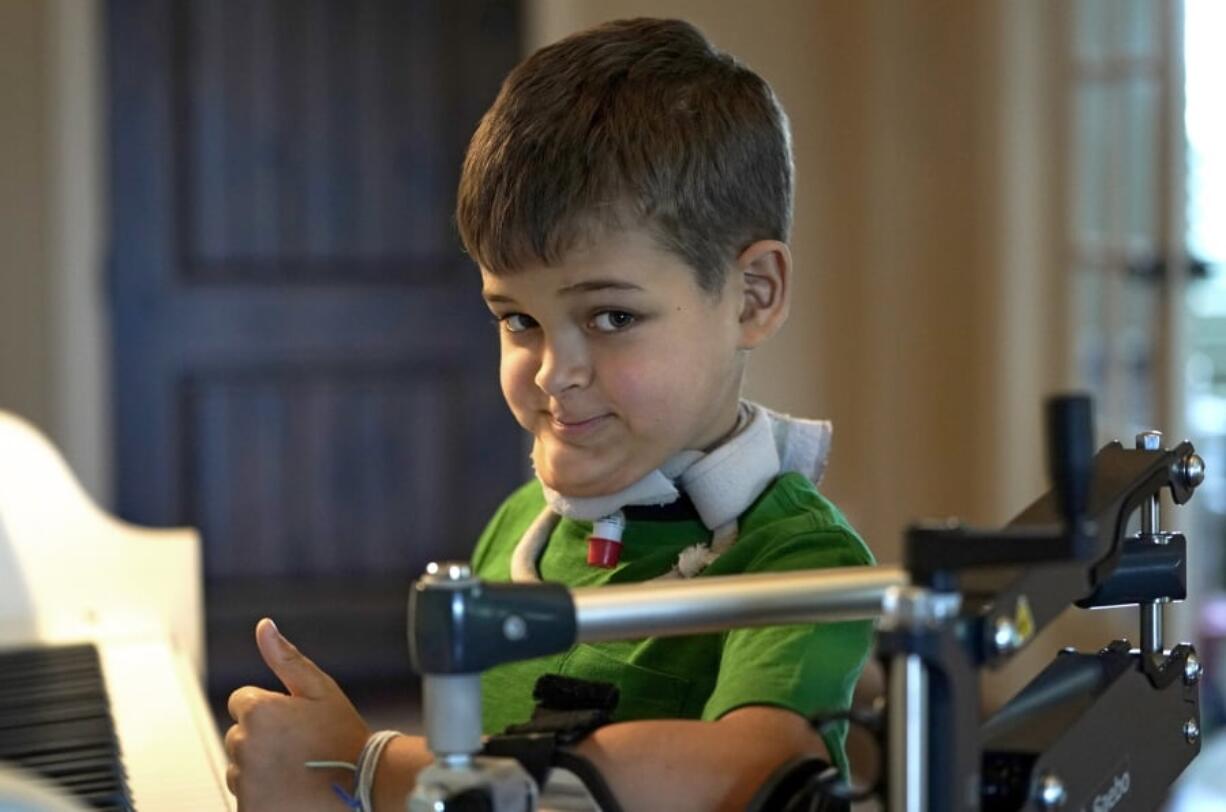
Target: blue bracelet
{"points": [[349, 800]]}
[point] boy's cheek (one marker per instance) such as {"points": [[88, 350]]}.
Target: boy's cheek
{"points": [[652, 381], [522, 414], [648, 402], [516, 375]]}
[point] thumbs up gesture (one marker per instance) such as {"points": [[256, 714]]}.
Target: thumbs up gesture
{"points": [[276, 733]]}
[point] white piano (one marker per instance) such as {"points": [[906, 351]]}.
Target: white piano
{"points": [[69, 572]]}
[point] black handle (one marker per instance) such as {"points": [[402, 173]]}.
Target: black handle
{"points": [[1070, 454]]}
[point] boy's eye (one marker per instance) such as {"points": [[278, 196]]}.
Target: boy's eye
{"points": [[611, 321], [517, 322]]}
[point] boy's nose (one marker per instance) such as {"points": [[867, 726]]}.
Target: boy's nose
{"points": [[563, 367]]}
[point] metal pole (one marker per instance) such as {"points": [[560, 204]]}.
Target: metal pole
{"points": [[451, 703], [908, 735], [1151, 613], [451, 711], [662, 608]]}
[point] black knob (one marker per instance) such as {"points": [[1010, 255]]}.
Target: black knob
{"points": [[1070, 453]]}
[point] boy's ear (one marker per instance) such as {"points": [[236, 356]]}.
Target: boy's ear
{"points": [[766, 273]]}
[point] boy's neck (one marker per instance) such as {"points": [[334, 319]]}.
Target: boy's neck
{"points": [[738, 424]]}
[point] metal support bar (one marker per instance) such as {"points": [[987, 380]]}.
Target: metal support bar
{"points": [[451, 711], [1151, 613], [1151, 628], [908, 735], [663, 608]]}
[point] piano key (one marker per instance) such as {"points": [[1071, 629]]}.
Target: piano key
{"points": [[41, 713], [77, 766], [55, 722], [171, 746], [66, 756]]}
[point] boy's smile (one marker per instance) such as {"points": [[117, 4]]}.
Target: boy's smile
{"points": [[615, 359]]}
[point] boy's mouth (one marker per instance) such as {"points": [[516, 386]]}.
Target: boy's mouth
{"points": [[569, 427]]}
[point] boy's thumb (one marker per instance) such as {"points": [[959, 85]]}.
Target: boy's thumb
{"points": [[297, 673]]}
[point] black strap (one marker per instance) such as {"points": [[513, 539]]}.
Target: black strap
{"points": [[567, 710], [534, 751], [799, 786]]}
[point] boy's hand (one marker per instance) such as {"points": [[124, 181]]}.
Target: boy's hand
{"points": [[276, 733]]}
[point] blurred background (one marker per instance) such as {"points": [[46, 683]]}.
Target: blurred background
{"points": [[231, 292]]}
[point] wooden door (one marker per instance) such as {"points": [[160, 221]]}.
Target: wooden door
{"points": [[304, 369]]}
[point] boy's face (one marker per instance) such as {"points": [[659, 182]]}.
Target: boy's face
{"points": [[615, 360]]}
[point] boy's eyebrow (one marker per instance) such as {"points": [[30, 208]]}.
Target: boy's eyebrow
{"points": [[599, 284], [579, 287]]}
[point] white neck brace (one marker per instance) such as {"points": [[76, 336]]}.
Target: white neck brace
{"points": [[722, 484]]}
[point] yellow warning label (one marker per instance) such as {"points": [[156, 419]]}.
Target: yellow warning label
{"points": [[1023, 619]]}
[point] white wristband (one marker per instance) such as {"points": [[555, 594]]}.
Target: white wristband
{"points": [[368, 762]]}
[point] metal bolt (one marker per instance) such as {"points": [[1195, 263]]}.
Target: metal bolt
{"points": [[430, 799], [1051, 792], [1149, 441], [1192, 669], [1190, 470], [514, 628], [1005, 636], [1191, 731]]}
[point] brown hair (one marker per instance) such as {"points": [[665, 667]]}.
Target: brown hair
{"points": [[633, 123]]}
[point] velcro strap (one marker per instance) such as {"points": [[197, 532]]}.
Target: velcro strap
{"points": [[567, 710], [557, 692], [534, 751]]}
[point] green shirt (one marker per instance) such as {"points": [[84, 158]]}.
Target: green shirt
{"points": [[804, 668]]}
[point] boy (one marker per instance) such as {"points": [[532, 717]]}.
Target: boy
{"points": [[628, 198]]}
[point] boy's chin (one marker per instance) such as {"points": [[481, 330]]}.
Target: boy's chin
{"points": [[581, 481], [583, 488]]}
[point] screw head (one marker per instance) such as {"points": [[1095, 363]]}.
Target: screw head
{"points": [[1005, 636], [1050, 792], [1149, 441], [1190, 470], [514, 628], [1192, 669], [1191, 731]]}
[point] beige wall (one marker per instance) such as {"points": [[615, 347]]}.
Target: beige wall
{"points": [[25, 289], [927, 322], [77, 248], [53, 346]]}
